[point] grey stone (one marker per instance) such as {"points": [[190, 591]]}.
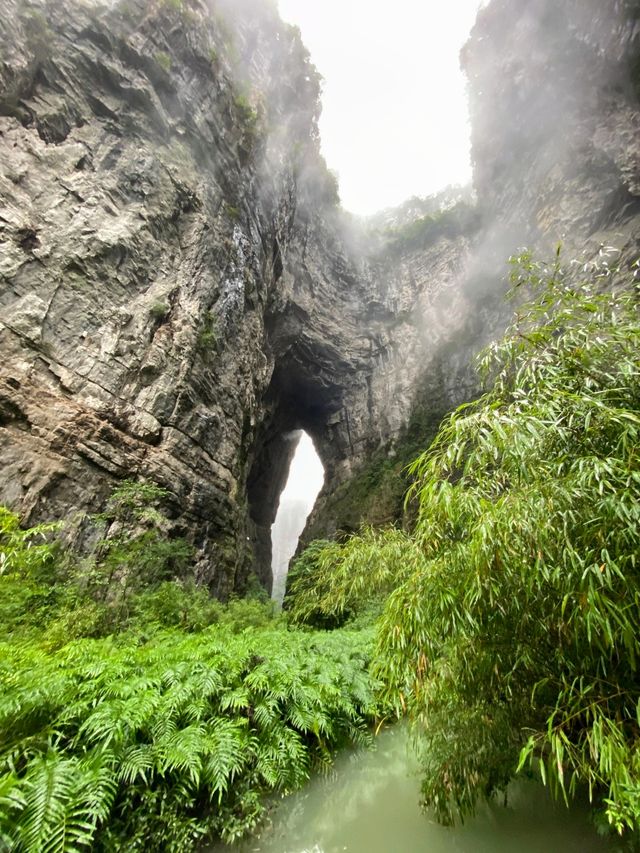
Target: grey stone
{"points": [[178, 290]]}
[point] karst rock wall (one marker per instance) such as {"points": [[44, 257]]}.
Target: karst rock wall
{"points": [[179, 290]]}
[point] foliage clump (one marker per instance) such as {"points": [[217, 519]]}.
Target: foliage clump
{"points": [[334, 583], [118, 744], [163, 60], [175, 5], [512, 634], [159, 310], [207, 334], [246, 111], [460, 219], [248, 121], [136, 712], [138, 574]]}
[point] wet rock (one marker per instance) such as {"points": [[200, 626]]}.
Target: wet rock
{"points": [[179, 289]]}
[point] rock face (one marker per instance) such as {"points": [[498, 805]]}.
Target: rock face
{"points": [[145, 211], [179, 290], [554, 115]]}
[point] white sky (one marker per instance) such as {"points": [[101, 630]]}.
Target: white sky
{"points": [[394, 120], [306, 474]]}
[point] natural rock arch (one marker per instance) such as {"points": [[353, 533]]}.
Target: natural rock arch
{"points": [[179, 288]]}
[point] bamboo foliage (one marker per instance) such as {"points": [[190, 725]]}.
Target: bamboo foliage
{"points": [[512, 634]]}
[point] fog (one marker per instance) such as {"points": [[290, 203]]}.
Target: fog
{"points": [[306, 476], [394, 118]]}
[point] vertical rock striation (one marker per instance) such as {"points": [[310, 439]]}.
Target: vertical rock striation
{"points": [[179, 289]]}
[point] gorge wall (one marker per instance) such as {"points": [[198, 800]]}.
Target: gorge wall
{"points": [[179, 289]]}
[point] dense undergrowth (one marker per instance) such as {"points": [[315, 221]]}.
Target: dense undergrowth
{"points": [[138, 713], [512, 634], [119, 744]]}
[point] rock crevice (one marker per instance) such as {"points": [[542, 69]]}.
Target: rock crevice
{"points": [[179, 290]]}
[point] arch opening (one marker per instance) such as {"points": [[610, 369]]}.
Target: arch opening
{"points": [[304, 482]]}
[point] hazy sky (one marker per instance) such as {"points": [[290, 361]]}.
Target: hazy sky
{"points": [[394, 120], [305, 475]]}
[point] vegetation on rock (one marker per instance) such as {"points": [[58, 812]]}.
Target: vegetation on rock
{"points": [[208, 333], [451, 222], [512, 633]]}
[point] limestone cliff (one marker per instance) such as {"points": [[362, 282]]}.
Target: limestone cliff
{"points": [[554, 93], [153, 159], [179, 289]]}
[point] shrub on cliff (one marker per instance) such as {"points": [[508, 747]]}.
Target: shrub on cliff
{"points": [[135, 563], [461, 218]]}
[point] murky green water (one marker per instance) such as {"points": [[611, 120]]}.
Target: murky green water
{"points": [[369, 805]]}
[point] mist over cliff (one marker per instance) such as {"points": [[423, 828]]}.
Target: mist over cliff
{"points": [[180, 288]]}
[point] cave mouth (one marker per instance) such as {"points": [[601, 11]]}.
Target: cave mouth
{"points": [[304, 481]]}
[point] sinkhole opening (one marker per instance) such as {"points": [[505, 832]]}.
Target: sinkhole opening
{"points": [[304, 481]]}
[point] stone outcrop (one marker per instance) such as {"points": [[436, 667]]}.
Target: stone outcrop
{"points": [[179, 289], [146, 203]]}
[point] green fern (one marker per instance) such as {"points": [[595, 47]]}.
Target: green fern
{"points": [[152, 739], [119, 740], [64, 801]]}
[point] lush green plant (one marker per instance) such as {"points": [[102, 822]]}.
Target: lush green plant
{"points": [[29, 561], [248, 122], [331, 582], [208, 334], [159, 310], [462, 218], [175, 604], [513, 633], [163, 60], [127, 746], [136, 552], [44, 587], [246, 111], [134, 501], [523, 621], [26, 553]]}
